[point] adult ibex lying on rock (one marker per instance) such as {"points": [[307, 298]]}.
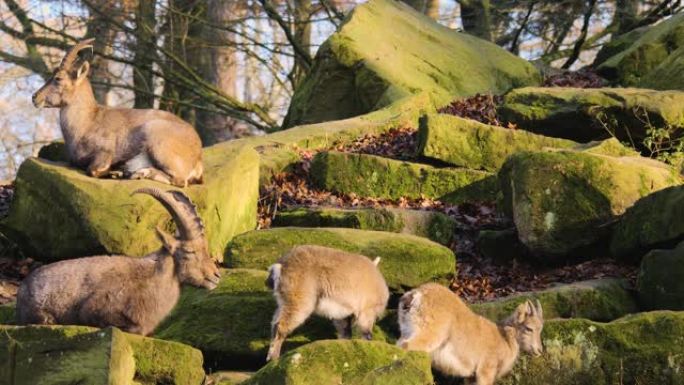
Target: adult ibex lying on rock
{"points": [[433, 319], [140, 144], [133, 294], [332, 283]]}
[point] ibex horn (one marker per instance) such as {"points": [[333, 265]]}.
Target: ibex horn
{"points": [[72, 55], [182, 211]]}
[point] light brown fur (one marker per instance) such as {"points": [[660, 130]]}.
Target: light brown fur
{"points": [[133, 294], [140, 144], [347, 288], [461, 343]]}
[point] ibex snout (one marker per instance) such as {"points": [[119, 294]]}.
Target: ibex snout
{"points": [[38, 100]]}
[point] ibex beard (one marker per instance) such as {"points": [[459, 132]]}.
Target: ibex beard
{"points": [[138, 143]]}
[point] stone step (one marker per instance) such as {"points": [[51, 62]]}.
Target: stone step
{"points": [[374, 176], [428, 224]]}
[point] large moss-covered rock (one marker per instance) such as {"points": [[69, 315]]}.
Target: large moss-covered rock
{"points": [[385, 50], [374, 176], [60, 355], [650, 47], [661, 279], [652, 222], [231, 325], [561, 201], [640, 349], [617, 44], [668, 75], [585, 114], [347, 362], [599, 300], [59, 212], [469, 143], [407, 260], [429, 224]]}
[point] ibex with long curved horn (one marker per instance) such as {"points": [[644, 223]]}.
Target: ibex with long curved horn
{"points": [[133, 294], [140, 144]]}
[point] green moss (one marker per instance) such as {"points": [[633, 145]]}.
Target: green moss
{"points": [[654, 221], [61, 213], [661, 279], [599, 300], [364, 66], [468, 143], [373, 176], [64, 355], [591, 114], [347, 362], [165, 362], [429, 224], [561, 200], [651, 47], [668, 75], [407, 261], [618, 44], [43, 355], [644, 349]]}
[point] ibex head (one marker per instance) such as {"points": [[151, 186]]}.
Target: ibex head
{"points": [[189, 248], [528, 322], [67, 77]]}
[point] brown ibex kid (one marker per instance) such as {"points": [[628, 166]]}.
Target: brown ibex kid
{"points": [[461, 343], [347, 288], [140, 144], [133, 294]]}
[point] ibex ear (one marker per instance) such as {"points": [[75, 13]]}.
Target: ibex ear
{"points": [[82, 72], [169, 242], [521, 312]]}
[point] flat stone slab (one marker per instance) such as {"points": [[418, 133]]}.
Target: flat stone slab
{"points": [[469, 143], [586, 114], [374, 176], [406, 260], [428, 224]]}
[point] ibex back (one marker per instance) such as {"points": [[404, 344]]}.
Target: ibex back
{"points": [[140, 144]]}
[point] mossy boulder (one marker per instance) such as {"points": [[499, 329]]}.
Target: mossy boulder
{"points": [[231, 325], [661, 279], [374, 176], [650, 47], [586, 114], [363, 67], [428, 224], [562, 201], [598, 300], [668, 75], [617, 44], [654, 221], [469, 143], [76, 354], [345, 362], [58, 212], [643, 349], [407, 260]]}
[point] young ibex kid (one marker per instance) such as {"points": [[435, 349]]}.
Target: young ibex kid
{"points": [[133, 294], [140, 144], [347, 288], [461, 343]]}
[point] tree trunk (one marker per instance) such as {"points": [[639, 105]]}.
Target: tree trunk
{"points": [[477, 18], [143, 79], [626, 15], [302, 34], [102, 29], [218, 65]]}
